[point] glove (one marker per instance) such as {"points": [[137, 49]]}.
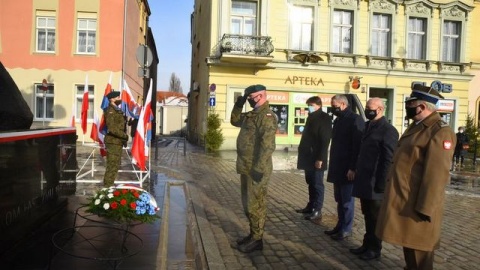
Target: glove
{"points": [[125, 144], [422, 216], [240, 101], [256, 176]]}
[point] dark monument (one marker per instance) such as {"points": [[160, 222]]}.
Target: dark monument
{"points": [[36, 167]]}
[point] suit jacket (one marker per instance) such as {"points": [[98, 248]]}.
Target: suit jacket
{"points": [[315, 141], [376, 153], [416, 183], [346, 136]]}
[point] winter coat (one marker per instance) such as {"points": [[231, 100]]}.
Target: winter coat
{"points": [[346, 137], [315, 141], [374, 159], [416, 183]]}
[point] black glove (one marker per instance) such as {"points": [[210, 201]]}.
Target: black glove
{"points": [[256, 176], [125, 144], [422, 216], [240, 101]]}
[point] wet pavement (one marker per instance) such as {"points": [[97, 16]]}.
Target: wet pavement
{"points": [[202, 216]]}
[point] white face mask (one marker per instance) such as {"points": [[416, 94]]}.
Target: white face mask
{"points": [[311, 109], [461, 131]]}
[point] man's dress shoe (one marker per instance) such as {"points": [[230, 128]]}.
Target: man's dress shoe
{"points": [[332, 231], [306, 210], [251, 245], [341, 235], [314, 215], [369, 255], [243, 240], [359, 250]]}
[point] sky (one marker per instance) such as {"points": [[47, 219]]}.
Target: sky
{"points": [[170, 23]]}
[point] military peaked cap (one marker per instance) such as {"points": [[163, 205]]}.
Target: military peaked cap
{"points": [[425, 93], [254, 88], [113, 94]]}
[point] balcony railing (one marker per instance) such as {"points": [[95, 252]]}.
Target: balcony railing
{"points": [[246, 45]]}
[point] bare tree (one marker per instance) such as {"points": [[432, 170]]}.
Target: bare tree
{"points": [[175, 84]]}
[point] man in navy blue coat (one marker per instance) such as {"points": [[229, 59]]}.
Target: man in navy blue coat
{"points": [[374, 159], [313, 156], [346, 136]]}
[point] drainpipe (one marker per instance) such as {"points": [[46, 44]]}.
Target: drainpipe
{"points": [[125, 2]]}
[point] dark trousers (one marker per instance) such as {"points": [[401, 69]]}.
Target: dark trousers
{"points": [[316, 189], [345, 206], [418, 259], [370, 209]]}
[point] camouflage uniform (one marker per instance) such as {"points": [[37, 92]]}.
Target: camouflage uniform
{"points": [[255, 145], [114, 141]]}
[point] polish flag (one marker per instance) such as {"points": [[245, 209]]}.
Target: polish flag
{"points": [[97, 136], [108, 89], [85, 106], [140, 144]]}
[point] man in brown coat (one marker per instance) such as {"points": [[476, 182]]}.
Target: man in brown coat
{"points": [[412, 209]]}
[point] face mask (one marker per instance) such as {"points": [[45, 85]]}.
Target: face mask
{"points": [[370, 114], [411, 112], [336, 111], [311, 109], [252, 103], [118, 102], [461, 131]]}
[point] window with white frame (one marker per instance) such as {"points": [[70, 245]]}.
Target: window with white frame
{"points": [[232, 94], [86, 36], [44, 102], [381, 34], [79, 97], [417, 41], [301, 27], [342, 31], [45, 34], [243, 20], [451, 41]]}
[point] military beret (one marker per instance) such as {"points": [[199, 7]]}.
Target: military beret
{"points": [[113, 94], [425, 93], [254, 88]]}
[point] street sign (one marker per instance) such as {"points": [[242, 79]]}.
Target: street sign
{"points": [[141, 50], [213, 87], [212, 101]]}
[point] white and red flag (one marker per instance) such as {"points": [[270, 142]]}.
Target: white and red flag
{"points": [[85, 106], [97, 136], [141, 142]]}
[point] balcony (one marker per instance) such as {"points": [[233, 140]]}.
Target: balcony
{"points": [[246, 49]]}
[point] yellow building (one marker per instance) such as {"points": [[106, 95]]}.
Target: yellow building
{"points": [[300, 48]]}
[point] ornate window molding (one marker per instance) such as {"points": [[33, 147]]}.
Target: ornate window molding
{"points": [[420, 8], [344, 4], [383, 6], [455, 11], [305, 2]]}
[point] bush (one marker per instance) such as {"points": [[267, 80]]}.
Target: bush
{"points": [[214, 137], [471, 132]]}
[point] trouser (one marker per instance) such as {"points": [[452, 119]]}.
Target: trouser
{"points": [[418, 259], [254, 201], [316, 188], [370, 209], [345, 206], [114, 156]]}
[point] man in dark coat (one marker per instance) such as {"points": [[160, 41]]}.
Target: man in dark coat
{"points": [[374, 159], [460, 150], [346, 136], [313, 156]]}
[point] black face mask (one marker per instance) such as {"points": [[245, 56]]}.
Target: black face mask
{"points": [[118, 102], [252, 102], [411, 111], [336, 111], [370, 114]]}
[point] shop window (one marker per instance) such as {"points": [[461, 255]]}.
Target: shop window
{"points": [[281, 110]]}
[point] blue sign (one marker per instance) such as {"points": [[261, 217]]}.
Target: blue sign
{"points": [[212, 101]]}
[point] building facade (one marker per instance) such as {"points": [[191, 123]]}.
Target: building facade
{"points": [[300, 48], [52, 47]]}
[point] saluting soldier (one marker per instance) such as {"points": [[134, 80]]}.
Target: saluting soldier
{"points": [[412, 209], [115, 138], [255, 145]]}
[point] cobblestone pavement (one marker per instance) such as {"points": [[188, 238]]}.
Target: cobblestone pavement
{"points": [[291, 242]]}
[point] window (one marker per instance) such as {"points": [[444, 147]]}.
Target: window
{"points": [[451, 41], [46, 34], [86, 35], [301, 28], [381, 34], [417, 38], [342, 31], [79, 89], [44, 102], [244, 18]]}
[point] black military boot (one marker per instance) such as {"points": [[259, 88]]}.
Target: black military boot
{"points": [[251, 246], [243, 240]]}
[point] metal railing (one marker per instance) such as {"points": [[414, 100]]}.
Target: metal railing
{"points": [[242, 44]]}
